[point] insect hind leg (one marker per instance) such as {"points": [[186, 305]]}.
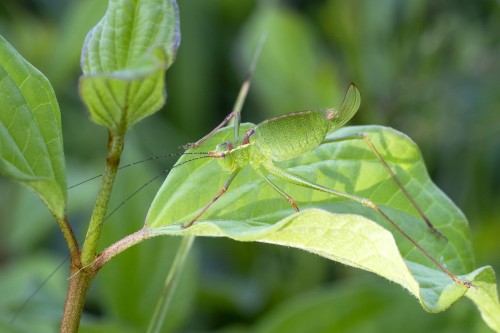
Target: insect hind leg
{"points": [[280, 191], [300, 181], [397, 181]]}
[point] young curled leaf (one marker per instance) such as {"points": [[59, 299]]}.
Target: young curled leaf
{"points": [[31, 146], [124, 60]]}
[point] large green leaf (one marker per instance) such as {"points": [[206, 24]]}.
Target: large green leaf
{"points": [[331, 227], [31, 146], [124, 60]]}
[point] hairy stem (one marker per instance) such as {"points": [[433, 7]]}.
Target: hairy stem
{"points": [[121, 246], [77, 290], [115, 148]]}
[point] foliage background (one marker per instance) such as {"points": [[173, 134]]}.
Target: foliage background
{"points": [[429, 69]]}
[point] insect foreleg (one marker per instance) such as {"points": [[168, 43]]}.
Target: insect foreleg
{"points": [[398, 182], [219, 194], [297, 180]]}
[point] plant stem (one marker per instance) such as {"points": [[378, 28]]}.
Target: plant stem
{"points": [[70, 238], [81, 277], [170, 284], [115, 148], [81, 272], [78, 287], [121, 246]]}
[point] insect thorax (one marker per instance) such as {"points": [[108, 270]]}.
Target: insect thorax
{"points": [[233, 154]]}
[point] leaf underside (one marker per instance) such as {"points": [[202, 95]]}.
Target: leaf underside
{"points": [[124, 60]]}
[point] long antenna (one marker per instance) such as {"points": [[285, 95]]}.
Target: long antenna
{"points": [[132, 195], [149, 182], [138, 162], [205, 155], [27, 300]]}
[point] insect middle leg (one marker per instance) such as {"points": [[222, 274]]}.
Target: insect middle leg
{"points": [[398, 182]]}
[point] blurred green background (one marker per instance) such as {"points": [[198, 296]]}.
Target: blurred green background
{"points": [[427, 68]]}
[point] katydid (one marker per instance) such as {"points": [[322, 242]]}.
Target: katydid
{"points": [[291, 135]]}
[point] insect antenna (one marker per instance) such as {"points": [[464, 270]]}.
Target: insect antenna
{"points": [[138, 162], [40, 286], [133, 194], [164, 172]]}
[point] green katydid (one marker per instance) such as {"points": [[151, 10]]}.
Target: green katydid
{"points": [[285, 137]]}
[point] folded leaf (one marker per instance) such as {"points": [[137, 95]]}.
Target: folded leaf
{"points": [[124, 60], [485, 296], [31, 146], [341, 230]]}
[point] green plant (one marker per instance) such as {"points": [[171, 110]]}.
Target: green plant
{"points": [[107, 90]]}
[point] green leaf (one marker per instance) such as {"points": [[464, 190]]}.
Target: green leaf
{"points": [[331, 227], [485, 296], [31, 146], [124, 60]]}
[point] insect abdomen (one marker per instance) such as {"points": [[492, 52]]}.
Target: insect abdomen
{"points": [[291, 135]]}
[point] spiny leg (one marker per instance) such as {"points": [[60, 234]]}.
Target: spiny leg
{"points": [[398, 182], [297, 180], [238, 105], [217, 196]]}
